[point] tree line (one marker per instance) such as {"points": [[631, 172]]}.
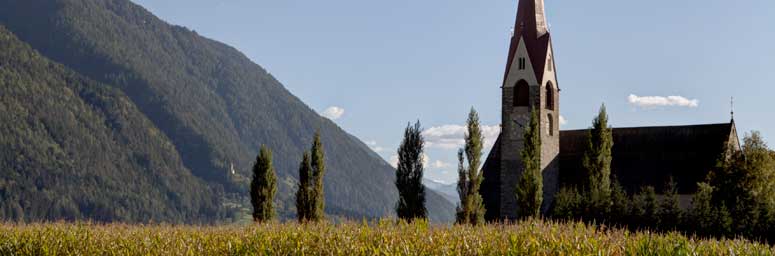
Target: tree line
{"points": [[742, 185]]}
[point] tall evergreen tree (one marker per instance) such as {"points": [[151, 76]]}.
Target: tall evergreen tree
{"points": [[263, 186], [411, 192], [472, 210], [530, 186], [597, 162], [318, 172], [304, 207], [461, 215]]}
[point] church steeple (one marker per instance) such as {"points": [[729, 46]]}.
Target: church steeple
{"points": [[529, 84], [531, 21], [531, 27]]}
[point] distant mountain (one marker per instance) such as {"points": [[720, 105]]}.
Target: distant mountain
{"points": [[72, 148], [448, 191], [207, 105]]}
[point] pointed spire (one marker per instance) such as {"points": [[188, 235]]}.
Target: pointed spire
{"points": [[732, 108], [531, 19], [530, 27]]}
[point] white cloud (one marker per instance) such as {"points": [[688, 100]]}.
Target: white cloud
{"points": [[393, 161], [660, 101], [333, 112], [452, 137], [374, 146], [438, 164], [563, 121]]}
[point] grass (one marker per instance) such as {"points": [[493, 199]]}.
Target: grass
{"points": [[386, 237]]}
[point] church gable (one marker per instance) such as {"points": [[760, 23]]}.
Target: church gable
{"points": [[521, 67], [550, 69]]}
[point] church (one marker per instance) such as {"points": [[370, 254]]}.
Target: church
{"points": [[642, 156]]}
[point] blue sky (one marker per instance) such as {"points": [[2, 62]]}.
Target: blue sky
{"points": [[376, 65]]}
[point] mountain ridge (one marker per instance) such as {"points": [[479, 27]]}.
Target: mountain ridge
{"points": [[215, 105]]}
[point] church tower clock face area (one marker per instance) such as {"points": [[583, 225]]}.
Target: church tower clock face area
{"points": [[529, 84]]}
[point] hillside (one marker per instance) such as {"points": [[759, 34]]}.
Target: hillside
{"points": [[69, 145], [448, 191], [214, 104]]}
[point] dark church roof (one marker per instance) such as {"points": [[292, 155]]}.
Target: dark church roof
{"points": [[490, 189], [642, 156], [651, 155]]}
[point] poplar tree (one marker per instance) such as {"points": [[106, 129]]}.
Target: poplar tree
{"points": [[597, 161], [471, 209], [318, 166], [263, 187], [411, 192], [461, 215], [530, 186], [303, 195]]}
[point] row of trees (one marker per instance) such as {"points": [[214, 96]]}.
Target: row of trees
{"points": [[741, 185], [471, 209], [409, 176], [409, 173], [310, 202]]}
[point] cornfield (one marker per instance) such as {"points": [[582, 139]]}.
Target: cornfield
{"points": [[386, 237]]}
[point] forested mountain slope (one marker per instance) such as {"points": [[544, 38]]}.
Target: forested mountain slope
{"points": [[214, 104], [71, 148]]}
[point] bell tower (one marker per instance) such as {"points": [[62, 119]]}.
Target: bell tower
{"points": [[530, 83]]}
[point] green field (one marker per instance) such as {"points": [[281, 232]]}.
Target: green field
{"points": [[382, 238]]}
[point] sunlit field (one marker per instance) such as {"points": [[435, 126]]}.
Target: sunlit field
{"points": [[383, 238]]}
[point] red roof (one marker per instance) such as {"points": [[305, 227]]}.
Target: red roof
{"points": [[537, 45]]}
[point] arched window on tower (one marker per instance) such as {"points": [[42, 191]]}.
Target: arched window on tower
{"points": [[550, 124], [521, 94], [549, 96]]}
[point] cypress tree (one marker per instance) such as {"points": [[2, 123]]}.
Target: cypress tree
{"points": [[471, 176], [597, 161], [318, 166], [411, 192], [303, 195], [461, 215], [530, 186], [263, 186]]}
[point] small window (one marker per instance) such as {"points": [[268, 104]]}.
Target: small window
{"points": [[550, 64], [550, 124], [549, 96], [522, 63], [521, 94]]}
